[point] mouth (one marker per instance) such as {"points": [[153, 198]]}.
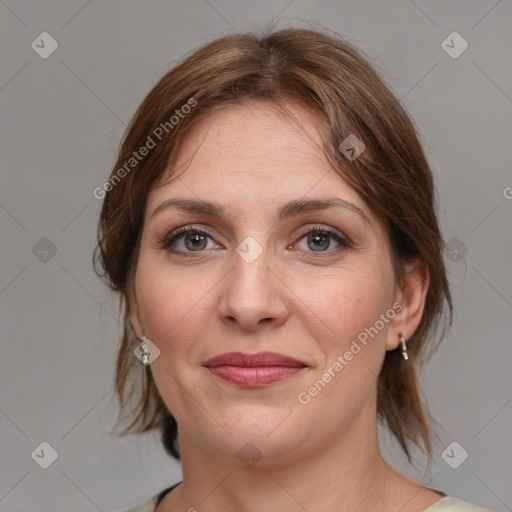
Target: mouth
{"points": [[254, 370]]}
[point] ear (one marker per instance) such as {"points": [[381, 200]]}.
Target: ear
{"points": [[411, 295]]}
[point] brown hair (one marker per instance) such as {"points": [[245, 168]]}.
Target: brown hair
{"points": [[322, 73]]}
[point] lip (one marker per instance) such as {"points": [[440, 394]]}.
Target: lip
{"points": [[254, 370], [252, 360]]}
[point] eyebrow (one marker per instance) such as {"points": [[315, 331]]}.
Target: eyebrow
{"points": [[288, 210]]}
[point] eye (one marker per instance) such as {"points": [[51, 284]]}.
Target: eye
{"points": [[319, 239], [189, 239], [186, 239]]}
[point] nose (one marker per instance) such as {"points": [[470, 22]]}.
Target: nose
{"points": [[253, 296]]}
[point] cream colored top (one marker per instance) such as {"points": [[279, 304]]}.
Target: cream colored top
{"points": [[446, 504]]}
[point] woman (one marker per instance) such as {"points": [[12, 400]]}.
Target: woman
{"points": [[270, 226]]}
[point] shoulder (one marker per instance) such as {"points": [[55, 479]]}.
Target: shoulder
{"points": [[147, 506], [449, 504], [151, 504]]}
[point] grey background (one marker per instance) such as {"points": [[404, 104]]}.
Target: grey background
{"points": [[62, 120]]}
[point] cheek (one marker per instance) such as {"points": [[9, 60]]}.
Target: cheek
{"points": [[351, 336], [173, 309], [172, 304], [348, 302]]}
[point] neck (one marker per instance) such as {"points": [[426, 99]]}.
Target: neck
{"points": [[344, 473]]}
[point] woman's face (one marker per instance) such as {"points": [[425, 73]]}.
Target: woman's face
{"points": [[264, 272]]}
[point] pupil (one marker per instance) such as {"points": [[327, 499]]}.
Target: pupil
{"points": [[196, 240], [319, 237]]}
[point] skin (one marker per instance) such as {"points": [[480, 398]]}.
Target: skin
{"points": [[294, 299]]}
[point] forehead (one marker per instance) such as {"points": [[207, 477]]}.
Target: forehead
{"points": [[255, 136], [255, 150]]}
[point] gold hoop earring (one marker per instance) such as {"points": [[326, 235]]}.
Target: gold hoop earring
{"points": [[404, 347]]}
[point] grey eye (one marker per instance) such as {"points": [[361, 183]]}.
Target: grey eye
{"points": [[320, 241]]}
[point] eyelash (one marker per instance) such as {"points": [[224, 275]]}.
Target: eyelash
{"points": [[344, 241]]}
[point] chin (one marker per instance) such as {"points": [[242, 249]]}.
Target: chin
{"points": [[265, 450], [271, 430]]}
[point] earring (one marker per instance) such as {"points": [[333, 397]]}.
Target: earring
{"points": [[145, 351], [404, 347]]}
